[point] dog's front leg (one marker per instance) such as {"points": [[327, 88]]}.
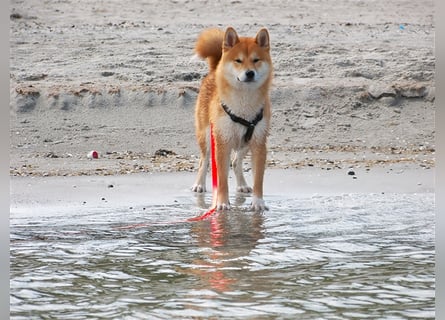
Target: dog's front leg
{"points": [[222, 163], [200, 183], [259, 154]]}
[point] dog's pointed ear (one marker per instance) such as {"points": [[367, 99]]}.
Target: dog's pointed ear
{"points": [[262, 38], [230, 38]]}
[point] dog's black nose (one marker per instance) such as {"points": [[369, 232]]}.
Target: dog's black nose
{"points": [[250, 74]]}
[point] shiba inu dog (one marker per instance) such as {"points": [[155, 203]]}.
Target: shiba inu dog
{"points": [[234, 98]]}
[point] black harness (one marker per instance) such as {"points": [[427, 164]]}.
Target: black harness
{"points": [[249, 124]]}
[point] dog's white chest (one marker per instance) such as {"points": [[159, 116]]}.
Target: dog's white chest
{"points": [[234, 133]]}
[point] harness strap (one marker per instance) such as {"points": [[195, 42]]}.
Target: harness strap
{"points": [[249, 124]]}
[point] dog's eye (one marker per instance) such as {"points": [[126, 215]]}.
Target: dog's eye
{"points": [[256, 60], [238, 61]]}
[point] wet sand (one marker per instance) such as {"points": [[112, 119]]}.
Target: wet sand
{"points": [[136, 191]]}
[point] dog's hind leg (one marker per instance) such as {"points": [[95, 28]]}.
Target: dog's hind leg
{"points": [[237, 165]]}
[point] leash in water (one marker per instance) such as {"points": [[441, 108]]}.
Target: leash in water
{"points": [[212, 210]]}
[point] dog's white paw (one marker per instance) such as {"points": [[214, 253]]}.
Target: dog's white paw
{"points": [[244, 189], [222, 206], [258, 205], [198, 188]]}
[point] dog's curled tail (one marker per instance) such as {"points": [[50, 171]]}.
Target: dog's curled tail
{"points": [[209, 46]]}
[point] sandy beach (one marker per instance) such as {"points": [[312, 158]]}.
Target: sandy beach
{"points": [[353, 87]]}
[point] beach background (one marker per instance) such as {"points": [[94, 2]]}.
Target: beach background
{"points": [[350, 179], [353, 88]]}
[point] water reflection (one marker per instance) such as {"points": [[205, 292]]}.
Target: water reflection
{"points": [[321, 257], [226, 237]]}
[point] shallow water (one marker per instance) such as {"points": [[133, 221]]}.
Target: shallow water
{"points": [[352, 256]]}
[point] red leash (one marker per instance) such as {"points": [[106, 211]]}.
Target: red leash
{"points": [[214, 189]]}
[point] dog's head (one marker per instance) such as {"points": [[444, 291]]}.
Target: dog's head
{"points": [[246, 61]]}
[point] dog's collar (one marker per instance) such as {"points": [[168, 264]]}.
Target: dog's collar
{"points": [[249, 124]]}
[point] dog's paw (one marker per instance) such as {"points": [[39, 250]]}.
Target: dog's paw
{"points": [[198, 188], [258, 205], [222, 206], [244, 189]]}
